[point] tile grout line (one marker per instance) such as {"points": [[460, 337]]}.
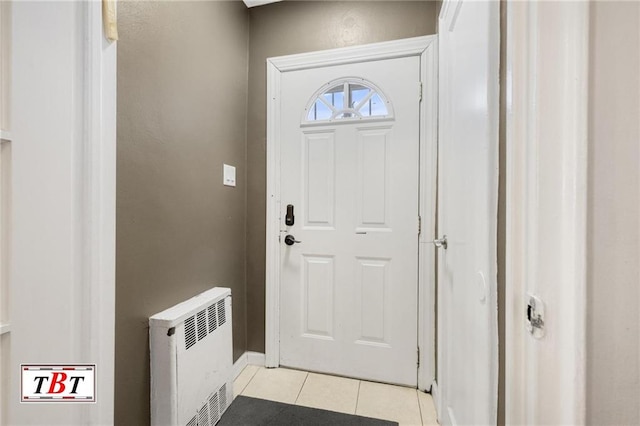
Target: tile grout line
{"points": [[250, 379], [301, 387], [358, 397], [235, 381], [419, 408]]}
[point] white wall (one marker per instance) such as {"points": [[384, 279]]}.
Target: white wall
{"points": [[63, 170], [613, 313]]}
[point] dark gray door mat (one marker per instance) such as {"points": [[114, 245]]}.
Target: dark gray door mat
{"points": [[245, 411]]}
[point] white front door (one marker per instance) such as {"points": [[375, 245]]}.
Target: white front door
{"points": [[349, 170], [468, 188]]}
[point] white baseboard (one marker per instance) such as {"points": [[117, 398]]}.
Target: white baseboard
{"points": [[239, 365], [436, 400], [247, 358], [428, 387], [255, 358]]}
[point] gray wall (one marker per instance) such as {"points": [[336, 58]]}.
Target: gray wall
{"points": [[613, 321], [182, 99], [295, 27]]}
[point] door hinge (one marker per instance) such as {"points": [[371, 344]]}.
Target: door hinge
{"points": [[419, 225], [420, 91], [418, 357]]}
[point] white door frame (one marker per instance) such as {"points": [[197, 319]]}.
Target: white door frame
{"points": [[92, 264], [426, 48], [99, 305], [547, 119]]}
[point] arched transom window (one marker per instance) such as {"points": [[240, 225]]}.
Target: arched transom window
{"points": [[347, 99]]}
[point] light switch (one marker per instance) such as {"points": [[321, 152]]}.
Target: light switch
{"points": [[228, 175]]}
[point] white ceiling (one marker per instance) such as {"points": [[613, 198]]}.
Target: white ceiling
{"points": [[253, 3]]}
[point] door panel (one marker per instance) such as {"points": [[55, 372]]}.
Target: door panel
{"points": [[373, 284], [318, 296], [348, 294], [319, 190], [373, 159], [468, 183]]}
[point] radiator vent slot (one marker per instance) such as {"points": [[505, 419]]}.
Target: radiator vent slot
{"points": [[193, 421], [222, 315], [202, 324], [223, 398], [210, 412], [189, 332], [213, 323], [203, 416], [207, 319], [214, 408]]}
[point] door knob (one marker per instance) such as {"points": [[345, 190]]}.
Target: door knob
{"points": [[290, 240], [440, 242]]}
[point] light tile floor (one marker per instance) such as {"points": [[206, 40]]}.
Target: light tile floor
{"points": [[396, 403]]}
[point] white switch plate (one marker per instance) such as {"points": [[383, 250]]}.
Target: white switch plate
{"points": [[228, 175]]}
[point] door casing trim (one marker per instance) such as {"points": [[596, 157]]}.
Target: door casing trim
{"points": [[425, 48], [547, 159]]}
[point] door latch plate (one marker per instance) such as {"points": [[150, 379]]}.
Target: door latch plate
{"points": [[534, 319]]}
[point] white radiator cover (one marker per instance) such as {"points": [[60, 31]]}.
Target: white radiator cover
{"points": [[192, 360]]}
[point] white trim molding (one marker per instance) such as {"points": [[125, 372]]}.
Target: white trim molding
{"points": [[435, 395], [427, 210], [426, 49], [247, 358], [254, 3], [99, 169], [255, 358], [547, 97], [239, 365], [350, 55], [272, 275]]}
